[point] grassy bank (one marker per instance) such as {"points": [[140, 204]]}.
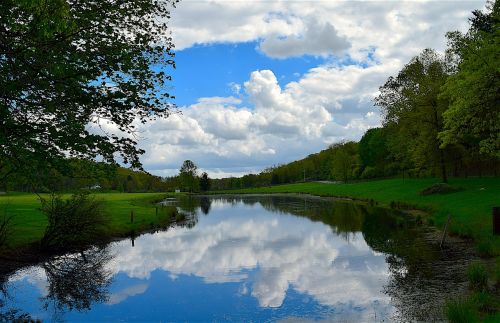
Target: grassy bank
{"points": [[470, 208], [29, 222]]}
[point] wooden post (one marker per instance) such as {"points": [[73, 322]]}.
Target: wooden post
{"points": [[444, 232], [496, 220], [156, 208], [131, 216]]}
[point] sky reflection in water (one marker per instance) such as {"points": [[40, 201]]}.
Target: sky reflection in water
{"points": [[242, 261]]}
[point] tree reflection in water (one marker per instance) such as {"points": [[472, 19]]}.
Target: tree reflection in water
{"points": [[76, 281], [205, 204]]}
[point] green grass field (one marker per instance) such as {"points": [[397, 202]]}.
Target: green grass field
{"points": [[470, 208], [29, 222]]}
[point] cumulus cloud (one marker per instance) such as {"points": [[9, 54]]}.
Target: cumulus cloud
{"points": [[283, 123], [328, 103], [317, 39], [397, 29]]}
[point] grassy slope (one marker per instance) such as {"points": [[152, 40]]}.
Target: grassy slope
{"points": [[470, 208], [29, 222]]}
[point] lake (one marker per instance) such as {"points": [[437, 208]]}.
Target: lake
{"points": [[251, 258]]}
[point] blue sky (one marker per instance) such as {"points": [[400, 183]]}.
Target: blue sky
{"points": [[260, 83], [211, 70]]}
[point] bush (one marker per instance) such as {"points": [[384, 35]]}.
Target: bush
{"points": [[478, 277], [75, 222], [484, 302], [485, 248], [460, 310], [439, 188]]}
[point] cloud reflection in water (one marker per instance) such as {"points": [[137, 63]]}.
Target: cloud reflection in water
{"points": [[285, 251]]}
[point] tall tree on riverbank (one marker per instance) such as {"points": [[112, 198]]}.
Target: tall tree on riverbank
{"points": [[76, 76], [473, 119], [411, 106], [345, 160], [204, 182], [188, 175]]}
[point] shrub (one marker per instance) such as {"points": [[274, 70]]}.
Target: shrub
{"points": [[460, 310], [478, 277], [485, 248], [75, 222], [484, 301]]}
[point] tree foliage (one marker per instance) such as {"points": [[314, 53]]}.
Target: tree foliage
{"points": [[373, 147], [72, 70], [473, 117], [411, 103], [188, 174], [345, 161], [204, 182]]}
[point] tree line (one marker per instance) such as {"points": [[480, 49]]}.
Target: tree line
{"points": [[440, 119], [80, 174]]}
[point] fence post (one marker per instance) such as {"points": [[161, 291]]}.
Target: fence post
{"points": [[131, 216]]}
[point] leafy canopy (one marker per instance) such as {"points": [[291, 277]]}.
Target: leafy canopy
{"points": [[473, 117], [77, 76], [412, 108]]}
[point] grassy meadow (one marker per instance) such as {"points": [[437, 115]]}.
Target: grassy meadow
{"points": [[29, 222]]}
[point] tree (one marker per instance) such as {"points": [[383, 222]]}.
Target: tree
{"points": [[70, 69], [372, 147], [204, 182], [188, 175], [345, 156], [473, 119], [411, 104]]}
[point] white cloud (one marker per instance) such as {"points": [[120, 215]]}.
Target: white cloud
{"points": [[284, 124], [317, 39], [397, 29], [328, 103]]}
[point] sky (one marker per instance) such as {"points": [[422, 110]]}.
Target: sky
{"points": [[263, 83]]}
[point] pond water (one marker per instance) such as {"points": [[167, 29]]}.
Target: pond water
{"points": [[252, 258]]}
